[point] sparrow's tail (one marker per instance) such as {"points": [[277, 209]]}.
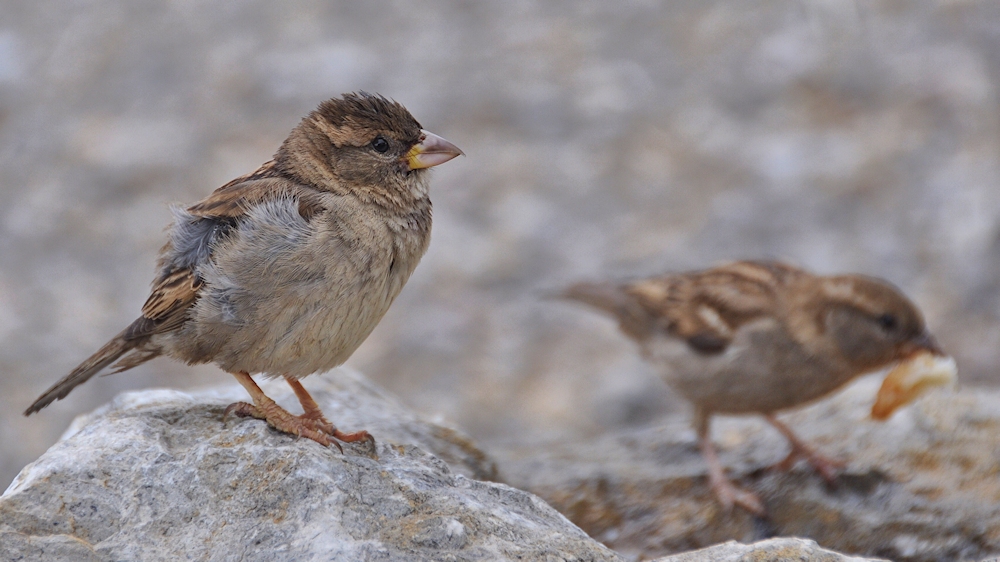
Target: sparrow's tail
{"points": [[604, 296], [635, 320], [105, 356]]}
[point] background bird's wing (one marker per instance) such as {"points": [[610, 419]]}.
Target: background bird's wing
{"points": [[705, 308]]}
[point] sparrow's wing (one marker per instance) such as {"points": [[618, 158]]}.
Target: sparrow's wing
{"points": [[231, 201], [167, 304], [705, 308], [194, 235]]}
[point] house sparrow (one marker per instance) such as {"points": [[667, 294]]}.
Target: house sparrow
{"points": [[285, 271], [760, 337]]}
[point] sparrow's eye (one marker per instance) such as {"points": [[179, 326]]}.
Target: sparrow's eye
{"points": [[380, 144], [888, 322]]}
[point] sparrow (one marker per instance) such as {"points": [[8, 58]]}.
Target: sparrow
{"points": [[285, 271], [759, 337]]}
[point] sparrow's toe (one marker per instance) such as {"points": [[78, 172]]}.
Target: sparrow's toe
{"points": [[243, 410], [729, 495], [280, 419], [318, 422]]}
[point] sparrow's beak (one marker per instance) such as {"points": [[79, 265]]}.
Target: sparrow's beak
{"points": [[923, 342], [431, 151]]}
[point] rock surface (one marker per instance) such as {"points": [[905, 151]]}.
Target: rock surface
{"points": [[923, 486], [783, 549], [157, 475]]}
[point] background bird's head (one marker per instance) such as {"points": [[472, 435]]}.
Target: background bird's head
{"points": [[872, 323], [364, 144]]}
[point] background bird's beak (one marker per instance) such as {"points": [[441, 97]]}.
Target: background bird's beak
{"points": [[923, 342], [431, 151]]}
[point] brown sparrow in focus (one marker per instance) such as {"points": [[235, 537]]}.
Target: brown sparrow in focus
{"points": [[760, 337], [287, 270]]}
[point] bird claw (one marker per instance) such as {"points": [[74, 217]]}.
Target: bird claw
{"points": [[318, 422], [281, 420], [356, 437], [242, 410], [828, 468], [729, 495], [309, 425]]}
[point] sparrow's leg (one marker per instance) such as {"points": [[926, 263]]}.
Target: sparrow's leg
{"points": [[264, 408], [725, 491], [825, 466], [314, 417]]}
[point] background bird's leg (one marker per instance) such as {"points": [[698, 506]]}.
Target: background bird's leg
{"points": [[825, 466], [727, 493], [264, 408], [315, 416]]}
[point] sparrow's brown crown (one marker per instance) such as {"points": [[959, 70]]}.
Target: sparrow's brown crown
{"points": [[366, 145]]}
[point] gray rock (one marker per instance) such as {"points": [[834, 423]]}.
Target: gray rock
{"points": [[774, 549], [157, 475], [922, 486]]}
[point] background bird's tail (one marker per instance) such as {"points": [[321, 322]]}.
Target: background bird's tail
{"points": [[612, 298], [105, 356]]}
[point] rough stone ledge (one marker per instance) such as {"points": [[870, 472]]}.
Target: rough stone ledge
{"points": [[157, 475], [783, 549], [923, 486]]}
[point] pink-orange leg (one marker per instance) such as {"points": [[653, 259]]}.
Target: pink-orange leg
{"points": [[725, 491], [311, 424], [313, 414], [824, 466]]}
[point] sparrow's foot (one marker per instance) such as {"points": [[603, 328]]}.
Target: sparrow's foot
{"points": [[729, 495], [280, 419], [825, 466], [314, 416]]}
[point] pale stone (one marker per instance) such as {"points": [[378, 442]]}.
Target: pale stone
{"points": [[158, 475], [921, 486]]}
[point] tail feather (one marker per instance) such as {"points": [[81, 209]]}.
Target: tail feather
{"points": [[105, 356], [634, 319]]}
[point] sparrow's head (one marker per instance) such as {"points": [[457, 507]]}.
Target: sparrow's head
{"points": [[365, 144], [873, 323]]}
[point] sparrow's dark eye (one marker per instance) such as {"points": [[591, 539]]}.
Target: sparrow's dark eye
{"points": [[380, 144], [888, 322]]}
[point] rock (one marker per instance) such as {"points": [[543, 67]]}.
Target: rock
{"points": [[773, 549], [922, 486], [157, 475]]}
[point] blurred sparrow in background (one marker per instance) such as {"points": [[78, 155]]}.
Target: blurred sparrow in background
{"points": [[760, 337], [287, 270]]}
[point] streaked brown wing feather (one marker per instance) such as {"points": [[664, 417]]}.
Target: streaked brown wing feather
{"points": [[167, 305], [233, 199], [706, 307]]}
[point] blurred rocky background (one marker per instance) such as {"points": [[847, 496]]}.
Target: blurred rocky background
{"points": [[604, 139]]}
